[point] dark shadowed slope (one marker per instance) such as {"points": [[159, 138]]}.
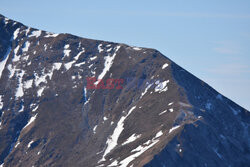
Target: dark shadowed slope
{"points": [[161, 116]]}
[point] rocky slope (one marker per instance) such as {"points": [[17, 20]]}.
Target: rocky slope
{"points": [[146, 111]]}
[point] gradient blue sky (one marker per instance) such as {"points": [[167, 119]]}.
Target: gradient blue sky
{"points": [[209, 38]]}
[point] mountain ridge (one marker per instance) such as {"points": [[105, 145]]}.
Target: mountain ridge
{"points": [[167, 103]]}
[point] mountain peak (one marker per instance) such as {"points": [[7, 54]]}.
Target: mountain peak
{"points": [[72, 101]]}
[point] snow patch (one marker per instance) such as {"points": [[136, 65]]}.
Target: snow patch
{"points": [[4, 61], [1, 102], [36, 33], [69, 65], [22, 109], [26, 46], [174, 128], [164, 66], [114, 163], [32, 119], [15, 35], [163, 112], [33, 110], [30, 143], [100, 48], [16, 57], [42, 78], [17, 144], [159, 134], [109, 50], [107, 64], [79, 64], [112, 140], [40, 91], [79, 54], [6, 20], [131, 139], [93, 58], [45, 47], [27, 31], [11, 70], [28, 84], [161, 86], [25, 58], [169, 104], [137, 48], [146, 89], [57, 66], [140, 150], [90, 65], [66, 51], [19, 90], [94, 129]]}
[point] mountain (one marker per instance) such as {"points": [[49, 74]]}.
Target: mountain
{"points": [[67, 101]]}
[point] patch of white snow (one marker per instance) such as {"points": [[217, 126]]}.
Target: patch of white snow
{"points": [[163, 112], [107, 64], [113, 139], [26, 46], [161, 86], [174, 128], [100, 48], [131, 139], [32, 119], [4, 61], [164, 66], [36, 33]]}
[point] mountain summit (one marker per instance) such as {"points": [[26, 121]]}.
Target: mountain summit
{"points": [[67, 101]]}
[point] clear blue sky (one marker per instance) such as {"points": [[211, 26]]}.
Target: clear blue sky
{"points": [[209, 38]]}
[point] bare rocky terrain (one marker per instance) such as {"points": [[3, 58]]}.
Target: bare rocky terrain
{"points": [[158, 115]]}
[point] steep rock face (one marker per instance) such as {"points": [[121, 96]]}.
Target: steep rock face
{"points": [[162, 115], [220, 138]]}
